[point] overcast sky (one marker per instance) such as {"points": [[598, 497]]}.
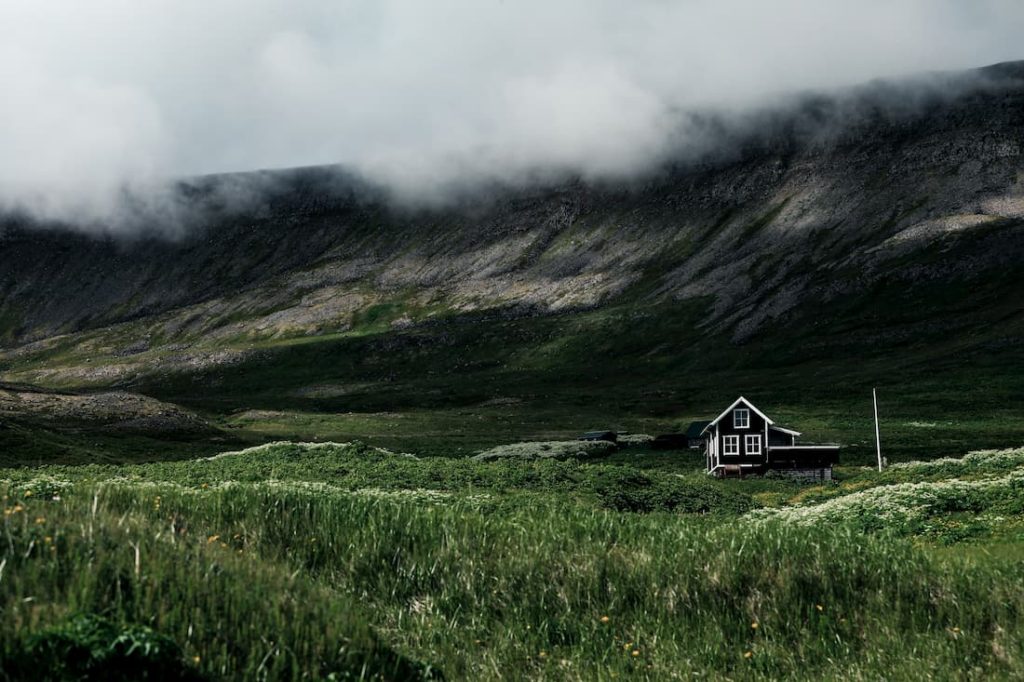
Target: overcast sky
{"points": [[415, 92]]}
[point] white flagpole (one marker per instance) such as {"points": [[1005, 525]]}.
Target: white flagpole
{"points": [[878, 439]]}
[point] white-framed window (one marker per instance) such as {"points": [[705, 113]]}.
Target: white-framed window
{"points": [[731, 445], [741, 418], [753, 444]]}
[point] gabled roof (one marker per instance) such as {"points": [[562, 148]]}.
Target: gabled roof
{"points": [[785, 430], [696, 428], [729, 409]]}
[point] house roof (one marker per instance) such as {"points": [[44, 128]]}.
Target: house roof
{"points": [[729, 409], [696, 428], [785, 430]]}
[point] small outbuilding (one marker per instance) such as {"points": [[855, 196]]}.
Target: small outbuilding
{"points": [[610, 436], [695, 433]]}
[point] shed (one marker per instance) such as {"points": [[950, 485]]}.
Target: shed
{"points": [[610, 436], [695, 433]]}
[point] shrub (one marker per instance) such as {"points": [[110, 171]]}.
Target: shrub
{"points": [[973, 463], [569, 449], [905, 507], [88, 647], [624, 489]]}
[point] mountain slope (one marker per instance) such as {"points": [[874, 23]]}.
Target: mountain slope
{"points": [[786, 218], [886, 222]]}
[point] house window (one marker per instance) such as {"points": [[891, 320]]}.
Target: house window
{"points": [[731, 445], [741, 418], [753, 445]]}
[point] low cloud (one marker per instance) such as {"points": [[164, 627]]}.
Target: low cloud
{"points": [[104, 101]]}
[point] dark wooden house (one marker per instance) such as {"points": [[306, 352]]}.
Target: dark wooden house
{"points": [[744, 440]]}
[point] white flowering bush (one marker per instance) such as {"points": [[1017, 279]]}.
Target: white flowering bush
{"points": [[295, 450], [908, 507], [556, 449], [982, 461], [40, 487]]}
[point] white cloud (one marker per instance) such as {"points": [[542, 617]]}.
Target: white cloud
{"points": [[420, 94]]}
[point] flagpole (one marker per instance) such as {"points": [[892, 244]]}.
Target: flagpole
{"points": [[878, 439]]}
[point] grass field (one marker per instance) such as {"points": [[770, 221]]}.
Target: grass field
{"points": [[345, 561]]}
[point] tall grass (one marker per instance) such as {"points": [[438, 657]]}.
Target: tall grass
{"points": [[90, 553], [268, 578]]}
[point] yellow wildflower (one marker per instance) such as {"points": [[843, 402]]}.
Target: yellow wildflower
{"points": [[212, 539], [749, 654], [605, 619]]}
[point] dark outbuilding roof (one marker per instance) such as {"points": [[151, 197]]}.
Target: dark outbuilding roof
{"points": [[694, 430], [610, 436]]}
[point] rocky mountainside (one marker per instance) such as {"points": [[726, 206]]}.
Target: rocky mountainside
{"points": [[848, 202]]}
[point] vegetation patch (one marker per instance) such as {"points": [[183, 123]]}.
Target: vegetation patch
{"points": [[164, 595], [572, 449], [365, 586], [915, 508], [89, 647]]}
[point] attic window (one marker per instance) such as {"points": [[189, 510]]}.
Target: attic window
{"points": [[741, 418]]}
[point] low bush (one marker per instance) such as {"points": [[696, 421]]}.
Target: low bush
{"points": [[89, 647], [624, 489], [973, 464], [559, 449], [907, 507]]}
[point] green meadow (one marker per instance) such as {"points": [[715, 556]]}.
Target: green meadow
{"points": [[333, 561]]}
